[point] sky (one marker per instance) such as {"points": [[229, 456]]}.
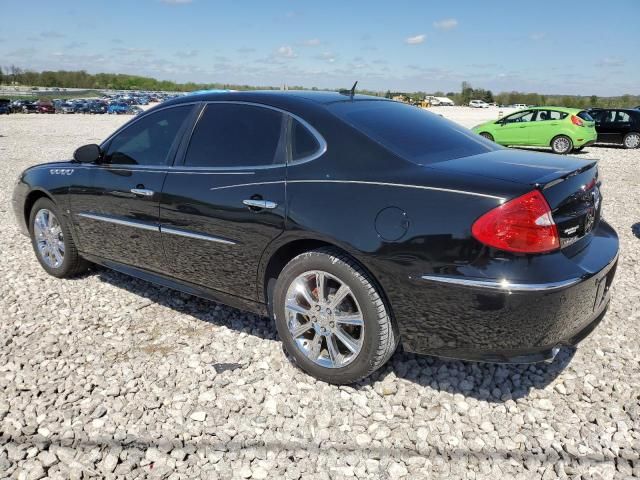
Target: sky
{"points": [[582, 47]]}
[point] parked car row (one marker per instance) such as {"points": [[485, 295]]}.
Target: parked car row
{"points": [[565, 129], [93, 106]]}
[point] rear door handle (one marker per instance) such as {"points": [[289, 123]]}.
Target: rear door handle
{"points": [[142, 192], [260, 203]]}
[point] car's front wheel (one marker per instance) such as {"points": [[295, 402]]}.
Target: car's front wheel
{"points": [[631, 140], [52, 241], [561, 145], [332, 318]]}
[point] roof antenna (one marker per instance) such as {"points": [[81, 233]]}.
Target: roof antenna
{"points": [[351, 92]]}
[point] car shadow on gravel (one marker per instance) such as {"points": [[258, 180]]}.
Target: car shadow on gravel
{"points": [[495, 383], [491, 382], [199, 308]]}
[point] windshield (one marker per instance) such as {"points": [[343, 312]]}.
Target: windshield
{"points": [[411, 132]]}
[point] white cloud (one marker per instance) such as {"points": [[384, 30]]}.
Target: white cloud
{"points": [[446, 24], [312, 42], [187, 53], [285, 51], [327, 57], [611, 62], [416, 40]]}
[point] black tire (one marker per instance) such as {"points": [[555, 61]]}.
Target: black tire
{"points": [[380, 336], [631, 140], [561, 145], [72, 263], [487, 135]]}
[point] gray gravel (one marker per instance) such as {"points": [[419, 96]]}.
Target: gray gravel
{"points": [[107, 376]]}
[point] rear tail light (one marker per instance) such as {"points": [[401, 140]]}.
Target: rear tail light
{"points": [[576, 121], [523, 225]]}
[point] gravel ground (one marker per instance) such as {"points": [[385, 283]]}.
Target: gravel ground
{"points": [[108, 376]]}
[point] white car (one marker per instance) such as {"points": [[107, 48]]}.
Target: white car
{"points": [[520, 106], [478, 104]]}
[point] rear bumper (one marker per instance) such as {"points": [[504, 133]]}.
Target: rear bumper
{"points": [[483, 319]]}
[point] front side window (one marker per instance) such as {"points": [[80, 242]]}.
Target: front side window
{"points": [[237, 135], [148, 140], [519, 117]]}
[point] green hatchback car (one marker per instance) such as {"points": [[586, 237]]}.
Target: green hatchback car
{"points": [[563, 129]]}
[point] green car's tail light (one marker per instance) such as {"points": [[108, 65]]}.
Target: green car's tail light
{"points": [[522, 225], [577, 121]]}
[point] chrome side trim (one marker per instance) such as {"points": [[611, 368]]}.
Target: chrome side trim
{"points": [[503, 285], [118, 221], [247, 185], [402, 185], [197, 236], [362, 182]]}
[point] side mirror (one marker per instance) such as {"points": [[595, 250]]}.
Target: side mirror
{"points": [[88, 154]]}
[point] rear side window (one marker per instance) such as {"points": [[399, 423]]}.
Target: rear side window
{"points": [[236, 135], [303, 142], [585, 116], [544, 115], [148, 140], [411, 132], [597, 115]]}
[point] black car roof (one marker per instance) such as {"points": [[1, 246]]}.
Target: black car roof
{"points": [[273, 96]]}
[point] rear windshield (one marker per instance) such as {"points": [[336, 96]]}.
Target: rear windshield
{"points": [[585, 116], [411, 132]]}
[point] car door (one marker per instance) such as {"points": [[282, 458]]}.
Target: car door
{"points": [[610, 129], [225, 202], [512, 129], [544, 127], [116, 202]]}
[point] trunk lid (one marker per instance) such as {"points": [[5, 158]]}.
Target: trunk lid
{"points": [[570, 185]]}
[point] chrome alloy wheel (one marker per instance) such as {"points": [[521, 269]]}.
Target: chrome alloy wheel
{"points": [[632, 140], [324, 319], [49, 238], [561, 144]]}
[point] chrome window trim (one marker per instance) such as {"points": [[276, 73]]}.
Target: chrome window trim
{"points": [[322, 143], [137, 118], [118, 221], [502, 285], [197, 236], [185, 169]]}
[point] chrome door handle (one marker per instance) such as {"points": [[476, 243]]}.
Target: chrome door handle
{"points": [[142, 191], [260, 203]]}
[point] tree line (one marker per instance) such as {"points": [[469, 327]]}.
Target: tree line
{"points": [[468, 93], [13, 75]]}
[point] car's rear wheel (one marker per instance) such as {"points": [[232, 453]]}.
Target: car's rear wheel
{"points": [[52, 241], [561, 145], [332, 318], [487, 135], [631, 140]]}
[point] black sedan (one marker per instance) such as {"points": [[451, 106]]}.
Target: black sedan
{"points": [[355, 222], [620, 126]]}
